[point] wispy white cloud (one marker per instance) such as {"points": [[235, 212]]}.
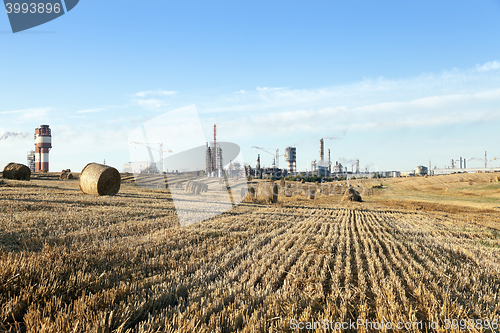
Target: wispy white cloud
{"points": [[489, 66], [27, 114], [150, 103], [91, 110], [157, 92], [268, 89], [448, 98]]}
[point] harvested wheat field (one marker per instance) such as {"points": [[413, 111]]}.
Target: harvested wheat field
{"points": [[417, 255]]}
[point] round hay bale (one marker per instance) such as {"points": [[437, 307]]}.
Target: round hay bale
{"points": [[66, 175], [16, 171], [99, 179], [351, 195], [190, 186], [247, 192], [497, 179], [312, 194], [268, 192], [302, 181]]}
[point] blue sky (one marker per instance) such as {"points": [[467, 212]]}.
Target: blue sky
{"points": [[397, 82]]}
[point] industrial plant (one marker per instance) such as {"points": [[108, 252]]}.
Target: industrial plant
{"points": [[214, 163], [324, 166]]}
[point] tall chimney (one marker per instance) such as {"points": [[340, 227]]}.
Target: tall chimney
{"points": [[43, 144], [321, 150]]}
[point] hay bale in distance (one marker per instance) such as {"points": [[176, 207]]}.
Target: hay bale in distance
{"points": [[195, 187], [497, 179], [351, 195], [312, 194], [65, 175], [268, 192], [247, 192], [16, 171], [99, 179]]}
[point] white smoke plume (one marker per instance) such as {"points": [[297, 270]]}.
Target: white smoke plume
{"points": [[334, 137], [331, 137], [346, 161], [6, 135]]}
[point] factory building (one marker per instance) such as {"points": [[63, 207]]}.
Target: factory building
{"points": [[421, 170], [31, 160]]}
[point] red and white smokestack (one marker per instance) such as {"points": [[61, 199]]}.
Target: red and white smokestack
{"points": [[43, 143]]}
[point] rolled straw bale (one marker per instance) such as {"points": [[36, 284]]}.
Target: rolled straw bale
{"points": [[312, 194], [16, 171], [351, 195], [247, 191], [190, 187], [268, 191], [66, 175], [497, 179], [195, 187], [99, 179]]}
